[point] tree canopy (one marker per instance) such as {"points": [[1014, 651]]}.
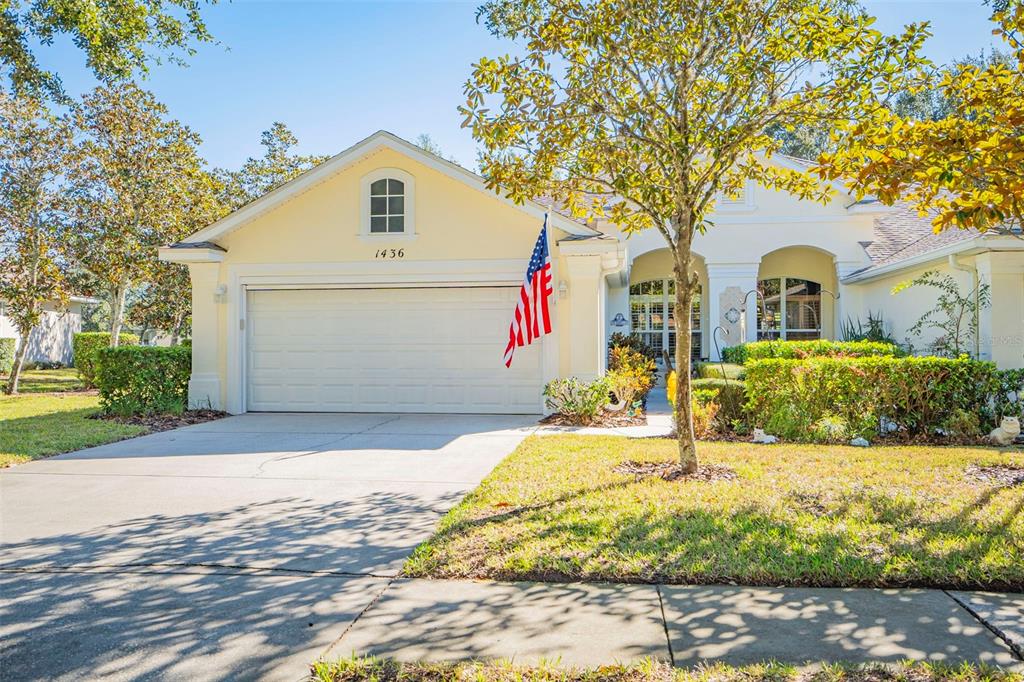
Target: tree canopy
{"points": [[137, 183], [648, 112], [119, 38], [278, 165], [34, 146], [965, 169]]}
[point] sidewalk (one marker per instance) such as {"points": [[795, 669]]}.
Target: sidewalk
{"points": [[593, 624]]}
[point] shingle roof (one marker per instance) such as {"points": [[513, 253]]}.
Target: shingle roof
{"points": [[902, 234]]}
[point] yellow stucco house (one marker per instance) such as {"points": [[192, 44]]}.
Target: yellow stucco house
{"points": [[385, 279]]}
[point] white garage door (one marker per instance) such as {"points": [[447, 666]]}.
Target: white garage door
{"points": [[387, 350]]}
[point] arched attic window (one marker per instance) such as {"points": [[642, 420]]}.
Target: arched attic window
{"points": [[388, 203]]}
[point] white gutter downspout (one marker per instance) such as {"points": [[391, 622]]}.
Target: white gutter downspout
{"points": [[957, 265]]}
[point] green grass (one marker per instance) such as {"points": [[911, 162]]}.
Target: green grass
{"points": [[380, 670], [35, 426], [47, 380], [797, 515]]}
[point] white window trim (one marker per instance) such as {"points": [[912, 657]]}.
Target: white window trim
{"points": [[743, 205], [783, 331], [364, 205]]}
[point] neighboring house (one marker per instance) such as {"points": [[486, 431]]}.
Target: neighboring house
{"points": [[385, 280], [50, 340]]}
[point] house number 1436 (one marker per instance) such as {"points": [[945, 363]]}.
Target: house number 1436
{"points": [[390, 253]]}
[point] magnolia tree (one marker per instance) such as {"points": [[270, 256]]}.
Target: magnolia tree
{"points": [[138, 183], [33, 149], [967, 168], [118, 39], [644, 112]]}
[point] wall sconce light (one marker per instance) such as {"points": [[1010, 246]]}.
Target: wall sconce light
{"points": [[220, 294], [563, 289]]}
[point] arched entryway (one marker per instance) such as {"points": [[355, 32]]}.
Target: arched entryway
{"points": [[652, 303], [796, 301]]}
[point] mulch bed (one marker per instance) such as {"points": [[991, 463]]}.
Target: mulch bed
{"points": [[607, 420], [671, 471], [1001, 475], [165, 422]]}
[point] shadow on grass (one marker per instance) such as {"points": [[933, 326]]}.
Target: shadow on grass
{"points": [[864, 537]]}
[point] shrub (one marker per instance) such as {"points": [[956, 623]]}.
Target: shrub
{"points": [[84, 346], [830, 429], [705, 422], [633, 341], [576, 400], [143, 379], [790, 397], [633, 362], [628, 386], [704, 407], [6, 355], [760, 350], [1009, 393], [731, 399], [718, 370], [735, 355]]}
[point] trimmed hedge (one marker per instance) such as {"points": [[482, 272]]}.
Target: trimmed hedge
{"points": [[732, 397], [760, 350], [143, 379], [84, 346], [835, 398], [7, 355]]}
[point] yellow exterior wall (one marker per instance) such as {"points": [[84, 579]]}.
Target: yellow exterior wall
{"points": [[453, 222], [455, 226]]}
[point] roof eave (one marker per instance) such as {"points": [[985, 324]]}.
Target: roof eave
{"points": [[361, 149], [968, 247]]}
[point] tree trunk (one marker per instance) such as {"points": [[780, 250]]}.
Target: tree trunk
{"points": [[117, 313], [683, 303], [19, 361]]}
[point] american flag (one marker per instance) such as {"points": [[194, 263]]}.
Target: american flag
{"points": [[532, 318]]}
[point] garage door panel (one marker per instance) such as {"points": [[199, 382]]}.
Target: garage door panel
{"points": [[410, 350]]}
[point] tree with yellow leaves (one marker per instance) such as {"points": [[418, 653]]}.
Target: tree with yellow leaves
{"points": [[648, 112], [967, 169]]}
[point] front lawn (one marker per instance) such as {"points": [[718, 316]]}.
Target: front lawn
{"points": [[47, 380], [34, 426], [377, 670], [796, 515]]}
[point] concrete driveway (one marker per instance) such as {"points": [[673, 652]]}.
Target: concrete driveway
{"points": [[239, 549]]}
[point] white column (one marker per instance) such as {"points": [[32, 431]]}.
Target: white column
{"points": [[845, 305], [586, 328], [1001, 325], [204, 385], [728, 284]]}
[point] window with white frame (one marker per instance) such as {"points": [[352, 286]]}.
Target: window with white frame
{"points": [[387, 206], [789, 309], [388, 203], [652, 316]]}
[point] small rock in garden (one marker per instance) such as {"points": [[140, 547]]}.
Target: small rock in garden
{"points": [[888, 426], [764, 438], [860, 442]]}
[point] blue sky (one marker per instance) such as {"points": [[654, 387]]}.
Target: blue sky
{"points": [[335, 72]]}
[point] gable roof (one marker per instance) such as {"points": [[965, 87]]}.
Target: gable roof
{"points": [[341, 161]]}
